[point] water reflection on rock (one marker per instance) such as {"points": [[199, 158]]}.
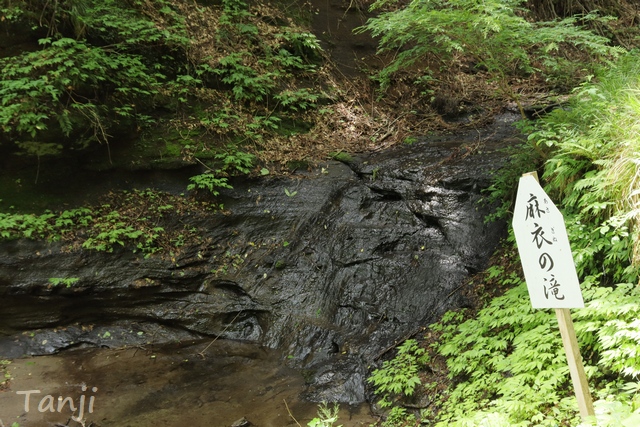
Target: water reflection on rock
{"points": [[328, 267]]}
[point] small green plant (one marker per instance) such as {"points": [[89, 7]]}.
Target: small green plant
{"points": [[208, 181], [399, 417], [399, 377], [301, 99], [302, 44], [327, 416], [232, 161], [68, 282], [115, 230], [245, 81]]}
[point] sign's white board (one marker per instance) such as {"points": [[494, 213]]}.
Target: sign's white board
{"points": [[544, 249]]}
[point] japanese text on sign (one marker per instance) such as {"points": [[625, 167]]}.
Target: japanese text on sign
{"points": [[544, 249]]}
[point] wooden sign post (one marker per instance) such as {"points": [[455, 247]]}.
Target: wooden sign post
{"points": [[550, 272]]}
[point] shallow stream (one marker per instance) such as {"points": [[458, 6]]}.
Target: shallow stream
{"points": [[199, 384]]}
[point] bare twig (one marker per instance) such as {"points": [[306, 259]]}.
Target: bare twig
{"points": [[290, 414], [201, 354]]}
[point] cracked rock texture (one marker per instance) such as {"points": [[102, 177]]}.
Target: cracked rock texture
{"points": [[330, 266]]}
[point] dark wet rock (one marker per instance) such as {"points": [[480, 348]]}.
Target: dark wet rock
{"points": [[329, 266], [113, 335], [341, 380]]}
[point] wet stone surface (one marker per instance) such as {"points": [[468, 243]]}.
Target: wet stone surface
{"points": [[328, 267]]}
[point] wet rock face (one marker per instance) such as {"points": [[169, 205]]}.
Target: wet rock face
{"points": [[329, 266]]}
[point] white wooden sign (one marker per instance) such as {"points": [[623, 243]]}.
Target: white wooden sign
{"points": [[544, 249]]}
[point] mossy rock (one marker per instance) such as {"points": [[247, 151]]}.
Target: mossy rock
{"points": [[341, 156]]}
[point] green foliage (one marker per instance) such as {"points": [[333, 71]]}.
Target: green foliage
{"points": [[507, 360], [261, 80], [506, 363], [114, 230], [592, 170], [616, 413], [10, 13], [235, 14], [297, 100], [509, 365], [129, 219], [13, 226], [341, 156], [101, 68], [301, 44], [610, 327], [232, 161], [399, 376], [327, 416], [76, 85], [290, 193], [588, 152], [398, 417], [494, 34], [246, 82], [259, 75], [68, 282], [208, 181]]}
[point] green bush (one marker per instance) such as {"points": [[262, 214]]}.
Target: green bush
{"points": [[495, 35], [398, 377], [74, 84], [592, 170], [507, 363], [107, 67], [128, 219]]}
